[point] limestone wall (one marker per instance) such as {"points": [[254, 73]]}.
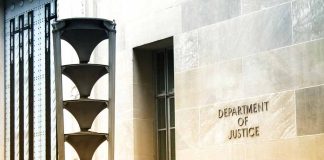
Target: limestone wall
{"points": [[273, 51], [228, 53]]}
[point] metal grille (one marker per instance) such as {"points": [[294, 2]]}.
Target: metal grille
{"points": [[7, 91], [165, 117], [25, 66], [30, 84]]}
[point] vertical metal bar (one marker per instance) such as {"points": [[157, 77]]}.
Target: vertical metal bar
{"points": [[167, 96], [170, 95], [112, 61], [55, 9], [154, 59], [167, 109], [161, 56], [59, 97], [21, 87], [31, 83], [54, 143], [47, 81], [12, 89]]}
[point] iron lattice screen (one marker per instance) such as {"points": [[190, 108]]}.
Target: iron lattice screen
{"points": [[29, 121]]}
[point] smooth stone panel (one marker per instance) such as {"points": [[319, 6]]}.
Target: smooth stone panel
{"points": [[312, 63], [245, 35], [153, 27], [135, 10], [188, 154], [294, 148], [310, 110], [143, 88], [186, 51], [143, 102], [197, 13], [187, 129], [224, 152], [144, 139], [124, 84], [277, 70], [124, 67], [272, 72], [255, 5], [308, 20], [287, 68], [143, 157], [124, 139], [124, 100], [297, 148], [276, 123], [210, 84]]}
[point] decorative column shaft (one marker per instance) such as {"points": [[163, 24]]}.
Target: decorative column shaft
{"points": [[84, 34]]}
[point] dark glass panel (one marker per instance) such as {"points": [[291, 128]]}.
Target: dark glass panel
{"points": [[161, 113], [162, 145], [172, 116], [160, 77], [173, 156], [170, 72]]}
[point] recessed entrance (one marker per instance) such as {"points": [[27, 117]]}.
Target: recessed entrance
{"points": [[154, 101]]}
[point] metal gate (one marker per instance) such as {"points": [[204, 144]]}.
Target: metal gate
{"points": [[30, 131]]}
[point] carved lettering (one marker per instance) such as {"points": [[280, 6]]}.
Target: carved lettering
{"points": [[246, 109]]}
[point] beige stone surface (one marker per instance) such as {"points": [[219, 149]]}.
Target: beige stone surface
{"points": [[310, 110], [124, 101], [245, 35], [134, 10], [186, 55], [70, 152], [143, 106], [210, 84], [249, 6], [143, 90], [187, 129], [298, 148], [273, 71], [188, 154], [287, 68], [144, 139], [312, 63], [196, 13], [319, 147], [103, 148], [100, 124], [224, 152], [124, 139], [307, 20], [276, 123], [124, 85], [144, 102], [155, 26]]}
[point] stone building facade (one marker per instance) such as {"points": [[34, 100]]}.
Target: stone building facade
{"points": [[248, 77]]}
